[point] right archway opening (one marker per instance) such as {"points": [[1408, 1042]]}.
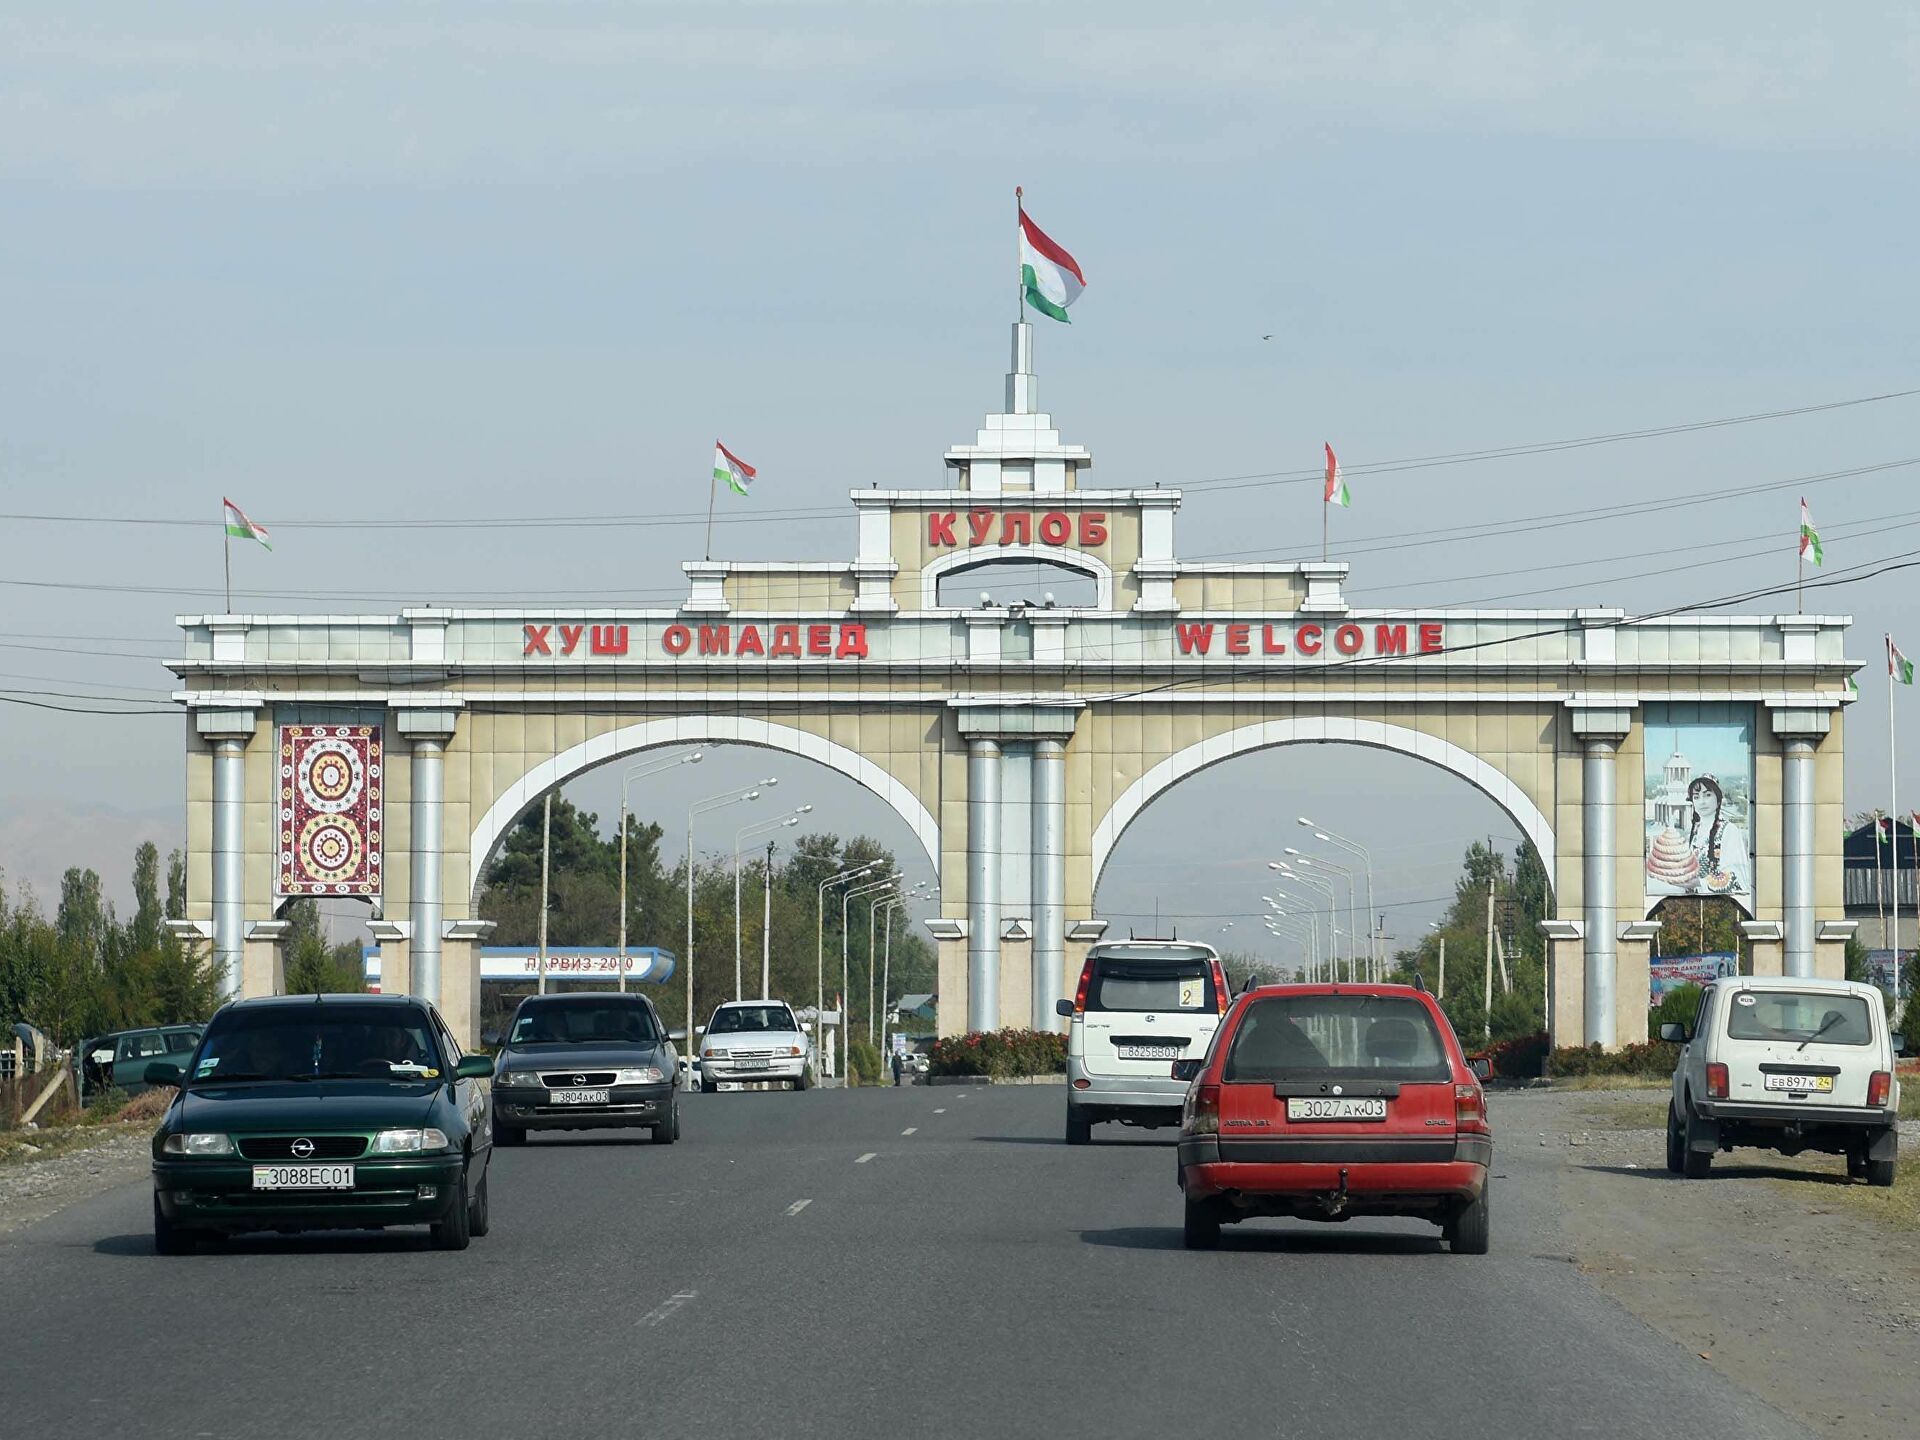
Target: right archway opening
{"points": [[1266, 855]]}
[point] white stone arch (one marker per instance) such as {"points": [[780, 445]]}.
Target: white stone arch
{"points": [[1089, 565], [1266, 734], [694, 730]]}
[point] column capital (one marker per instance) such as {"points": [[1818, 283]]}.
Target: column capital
{"points": [[1763, 930], [187, 931], [943, 929], [1791, 721], [268, 929], [1639, 929], [225, 716], [1562, 929], [427, 717], [475, 930], [1836, 930], [1601, 717], [389, 932], [996, 719]]}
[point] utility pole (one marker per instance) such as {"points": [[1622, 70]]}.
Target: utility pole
{"points": [[1500, 949], [1440, 992], [546, 859], [1487, 1015]]}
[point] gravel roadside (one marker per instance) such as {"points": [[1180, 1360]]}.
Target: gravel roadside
{"points": [[1773, 1270], [34, 1187]]}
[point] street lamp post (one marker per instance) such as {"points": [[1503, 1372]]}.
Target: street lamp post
{"points": [[1312, 921], [819, 945], [1440, 990], [847, 895], [1366, 856], [1353, 928], [886, 970], [1321, 887], [701, 807], [741, 834], [638, 772]]}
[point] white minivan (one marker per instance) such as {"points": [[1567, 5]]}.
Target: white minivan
{"points": [[1786, 1063], [1140, 1005]]}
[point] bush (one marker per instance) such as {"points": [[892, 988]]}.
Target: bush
{"points": [[863, 1063], [1000, 1054], [1679, 1006], [1653, 1059], [1521, 1057]]}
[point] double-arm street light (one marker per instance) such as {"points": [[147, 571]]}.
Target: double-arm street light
{"points": [[1306, 920], [886, 965], [883, 881], [1297, 936], [1319, 887], [1366, 857], [638, 772], [1352, 894], [820, 941], [737, 796], [761, 828]]}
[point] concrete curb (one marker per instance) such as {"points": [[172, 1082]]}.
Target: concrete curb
{"points": [[990, 1080]]}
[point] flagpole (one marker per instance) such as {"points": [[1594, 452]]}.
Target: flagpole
{"points": [[1893, 820], [226, 555], [1325, 505], [713, 489], [1019, 234]]}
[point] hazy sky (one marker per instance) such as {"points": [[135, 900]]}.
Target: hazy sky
{"points": [[503, 260]]}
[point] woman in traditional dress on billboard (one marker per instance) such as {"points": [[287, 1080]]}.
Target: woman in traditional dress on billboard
{"points": [[1720, 847]]}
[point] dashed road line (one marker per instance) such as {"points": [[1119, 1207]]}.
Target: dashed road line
{"points": [[797, 1206], [910, 1129], [866, 1157], [941, 1111], [666, 1308]]}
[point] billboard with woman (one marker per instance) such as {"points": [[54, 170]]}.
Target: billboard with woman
{"points": [[1699, 801]]}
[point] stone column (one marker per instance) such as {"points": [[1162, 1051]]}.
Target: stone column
{"points": [[1049, 879], [1799, 732], [983, 884], [229, 729], [460, 977], [264, 970], [428, 731], [1600, 729], [396, 973]]}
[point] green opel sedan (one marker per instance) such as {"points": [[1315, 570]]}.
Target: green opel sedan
{"points": [[318, 1112]]}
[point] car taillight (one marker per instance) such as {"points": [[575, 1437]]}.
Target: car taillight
{"points": [[1879, 1087], [1220, 992], [1203, 1111], [1080, 991], [1470, 1110], [1716, 1081]]}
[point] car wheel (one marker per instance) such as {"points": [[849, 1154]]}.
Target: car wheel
{"points": [[1676, 1142], [1202, 1226], [1695, 1163], [1079, 1130], [1468, 1234], [1856, 1164], [805, 1081], [169, 1238], [453, 1232], [669, 1131], [479, 1214], [508, 1134]]}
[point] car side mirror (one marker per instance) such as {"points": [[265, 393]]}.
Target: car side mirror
{"points": [[679, 1034], [473, 1067], [699, 1029], [1899, 1044], [1481, 1067], [1673, 1033], [159, 1072], [1063, 1008], [1186, 1069]]}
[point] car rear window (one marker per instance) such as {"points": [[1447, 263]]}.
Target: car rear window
{"points": [[1796, 1016], [1161, 985], [1296, 1037]]}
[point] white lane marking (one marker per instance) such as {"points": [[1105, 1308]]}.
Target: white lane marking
{"points": [[940, 1111], [797, 1206], [866, 1157], [664, 1310], [910, 1129]]}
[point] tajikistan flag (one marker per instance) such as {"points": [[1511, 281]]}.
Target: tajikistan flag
{"points": [[1898, 666], [1337, 493], [731, 468], [1050, 275], [239, 525], [1810, 538]]}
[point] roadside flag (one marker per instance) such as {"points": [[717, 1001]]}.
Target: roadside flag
{"points": [[731, 468], [1337, 492], [1883, 827], [240, 526], [1898, 666], [1810, 539], [1049, 276]]}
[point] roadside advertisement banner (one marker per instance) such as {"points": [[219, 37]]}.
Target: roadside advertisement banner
{"points": [[1699, 801], [1880, 971], [1667, 972]]}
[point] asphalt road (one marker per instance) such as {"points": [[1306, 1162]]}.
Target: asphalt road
{"points": [[922, 1261]]}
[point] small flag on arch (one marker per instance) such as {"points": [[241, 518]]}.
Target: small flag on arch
{"points": [[1337, 492], [239, 526], [1898, 666], [731, 468], [1810, 539]]}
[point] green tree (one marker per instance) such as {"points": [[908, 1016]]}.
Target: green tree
{"points": [[313, 966]]}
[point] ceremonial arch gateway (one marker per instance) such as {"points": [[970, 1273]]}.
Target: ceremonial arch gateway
{"points": [[385, 756]]}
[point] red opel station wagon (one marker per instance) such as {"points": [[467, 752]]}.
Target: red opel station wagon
{"points": [[1324, 1102]]}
